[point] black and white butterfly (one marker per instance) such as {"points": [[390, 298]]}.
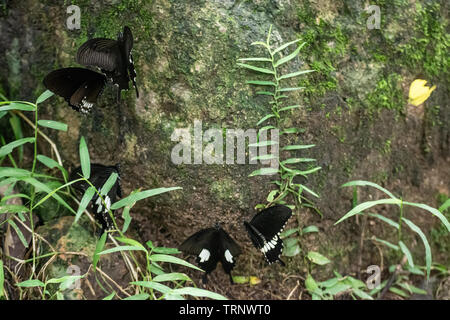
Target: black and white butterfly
{"points": [[113, 57], [98, 177], [78, 86], [264, 231], [210, 246]]}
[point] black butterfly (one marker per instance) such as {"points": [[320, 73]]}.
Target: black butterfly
{"points": [[264, 231], [212, 245], [99, 175], [113, 57], [78, 86]]}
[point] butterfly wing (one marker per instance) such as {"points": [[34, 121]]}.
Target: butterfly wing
{"points": [[230, 250], [205, 245], [127, 40], [272, 220], [99, 175], [99, 52], [79, 87], [265, 228]]}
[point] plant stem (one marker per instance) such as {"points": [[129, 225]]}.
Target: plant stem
{"points": [[35, 139]]}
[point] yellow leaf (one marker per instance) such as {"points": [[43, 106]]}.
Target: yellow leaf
{"points": [[254, 280], [419, 92]]}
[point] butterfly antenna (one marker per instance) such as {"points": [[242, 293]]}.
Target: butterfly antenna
{"points": [[281, 262]]}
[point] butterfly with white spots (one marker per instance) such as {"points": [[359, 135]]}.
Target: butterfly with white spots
{"points": [[210, 246], [264, 231], [112, 57], [101, 207]]}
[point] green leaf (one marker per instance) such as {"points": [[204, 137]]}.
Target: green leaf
{"points": [[288, 232], [141, 296], [31, 283], [263, 172], [255, 59], [196, 292], [135, 197], [53, 124], [383, 218], [284, 46], [261, 83], [297, 160], [171, 259], [445, 205], [18, 106], [110, 297], [407, 253], [87, 197], [366, 205], [298, 147], [271, 195], [362, 294], [13, 208], [126, 218], [369, 184], [292, 247], [337, 288], [311, 284], [153, 285], [289, 107], [290, 56], [122, 248], [433, 211], [84, 159], [19, 233], [99, 247], [317, 258], [386, 243], [174, 276], [259, 43], [290, 89], [309, 229], [292, 130], [18, 134], [265, 118], [265, 157], [15, 195], [50, 163], [412, 288], [294, 74], [8, 148], [399, 292], [131, 242], [166, 250], [309, 191], [109, 183], [44, 96], [417, 230], [258, 69], [264, 143]]}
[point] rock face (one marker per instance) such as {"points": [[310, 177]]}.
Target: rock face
{"points": [[354, 107]]}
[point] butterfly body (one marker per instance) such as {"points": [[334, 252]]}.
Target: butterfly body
{"points": [[78, 86], [112, 57], [264, 231], [101, 207], [210, 246]]}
